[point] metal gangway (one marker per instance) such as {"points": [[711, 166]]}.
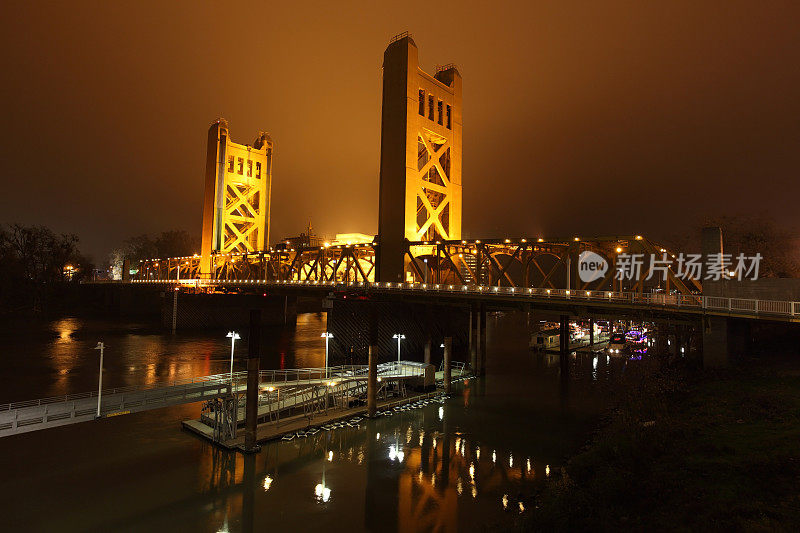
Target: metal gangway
{"points": [[307, 390], [33, 415]]}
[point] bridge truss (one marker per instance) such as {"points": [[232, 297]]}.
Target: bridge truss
{"points": [[520, 263]]}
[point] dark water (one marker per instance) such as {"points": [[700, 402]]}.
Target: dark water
{"points": [[458, 465]]}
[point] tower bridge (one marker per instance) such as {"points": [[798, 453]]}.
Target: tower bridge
{"points": [[419, 254]]}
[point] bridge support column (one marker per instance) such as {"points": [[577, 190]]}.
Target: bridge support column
{"points": [[661, 338], [473, 340], [482, 342], [723, 338], [372, 382], [427, 356], [253, 362], [591, 332], [448, 349], [563, 342], [715, 342]]}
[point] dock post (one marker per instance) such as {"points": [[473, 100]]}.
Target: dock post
{"points": [[591, 332], [448, 349], [253, 361], [482, 342], [372, 382]]}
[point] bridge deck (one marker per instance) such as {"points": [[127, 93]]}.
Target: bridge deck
{"points": [[686, 304]]}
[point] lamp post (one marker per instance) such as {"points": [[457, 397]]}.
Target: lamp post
{"points": [[233, 336], [399, 337], [327, 336], [100, 346]]}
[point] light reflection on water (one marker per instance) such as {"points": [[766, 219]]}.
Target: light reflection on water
{"points": [[454, 465]]}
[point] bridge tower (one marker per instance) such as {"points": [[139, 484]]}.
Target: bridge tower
{"points": [[420, 175], [237, 195]]}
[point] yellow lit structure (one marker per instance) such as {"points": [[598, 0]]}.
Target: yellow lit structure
{"points": [[420, 174], [237, 195], [347, 239]]}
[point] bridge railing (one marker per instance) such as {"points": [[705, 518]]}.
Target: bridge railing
{"points": [[212, 379], [298, 376], [694, 301], [307, 376]]}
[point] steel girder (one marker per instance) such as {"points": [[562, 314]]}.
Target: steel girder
{"points": [[535, 263]]}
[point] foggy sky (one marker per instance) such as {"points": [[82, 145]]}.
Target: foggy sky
{"points": [[579, 118]]}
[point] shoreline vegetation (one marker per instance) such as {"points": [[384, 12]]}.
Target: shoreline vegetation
{"points": [[685, 448]]}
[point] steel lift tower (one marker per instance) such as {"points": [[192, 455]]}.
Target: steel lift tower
{"points": [[420, 173], [237, 195]]}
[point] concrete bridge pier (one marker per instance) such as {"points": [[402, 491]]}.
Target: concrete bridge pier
{"points": [[482, 341], [680, 340], [448, 349], [473, 340], [563, 340], [372, 362], [723, 338], [372, 382], [427, 351], [591, 332], [253, 362]]}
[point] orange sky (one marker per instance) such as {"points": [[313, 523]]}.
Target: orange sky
{"points": [[579, 118]]}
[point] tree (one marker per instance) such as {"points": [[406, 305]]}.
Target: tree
{"points": [[33, 260], [171, 243], [751, 234]]}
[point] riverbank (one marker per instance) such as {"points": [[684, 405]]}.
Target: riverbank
{"points": [[686, 449]]}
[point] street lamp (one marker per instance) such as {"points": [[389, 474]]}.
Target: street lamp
{"points": [[399, 337], [327, 336], [233, 336], [100, 346]]}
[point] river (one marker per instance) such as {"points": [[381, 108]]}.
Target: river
{"points": [[459, 465]]}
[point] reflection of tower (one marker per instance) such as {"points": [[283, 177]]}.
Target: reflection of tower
{"points": [[420, 176], [237, 194]]}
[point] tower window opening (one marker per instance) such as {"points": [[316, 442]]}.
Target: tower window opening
{"points": [[430, 106], [422, 102], [249, 169], [449, 123], [240, 164], [258, 169], [230, 163], [439, 114]]}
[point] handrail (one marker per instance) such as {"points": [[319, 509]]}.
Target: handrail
{"points": [[675, 301], [406, 369]]}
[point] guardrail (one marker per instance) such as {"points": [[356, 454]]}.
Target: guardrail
{"points": [[212, 379], [714, 304], [299, 376]]}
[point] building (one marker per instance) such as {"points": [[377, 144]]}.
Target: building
{"points": [[237, 194], [304, 240], [420, 170], [352, 238]]}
